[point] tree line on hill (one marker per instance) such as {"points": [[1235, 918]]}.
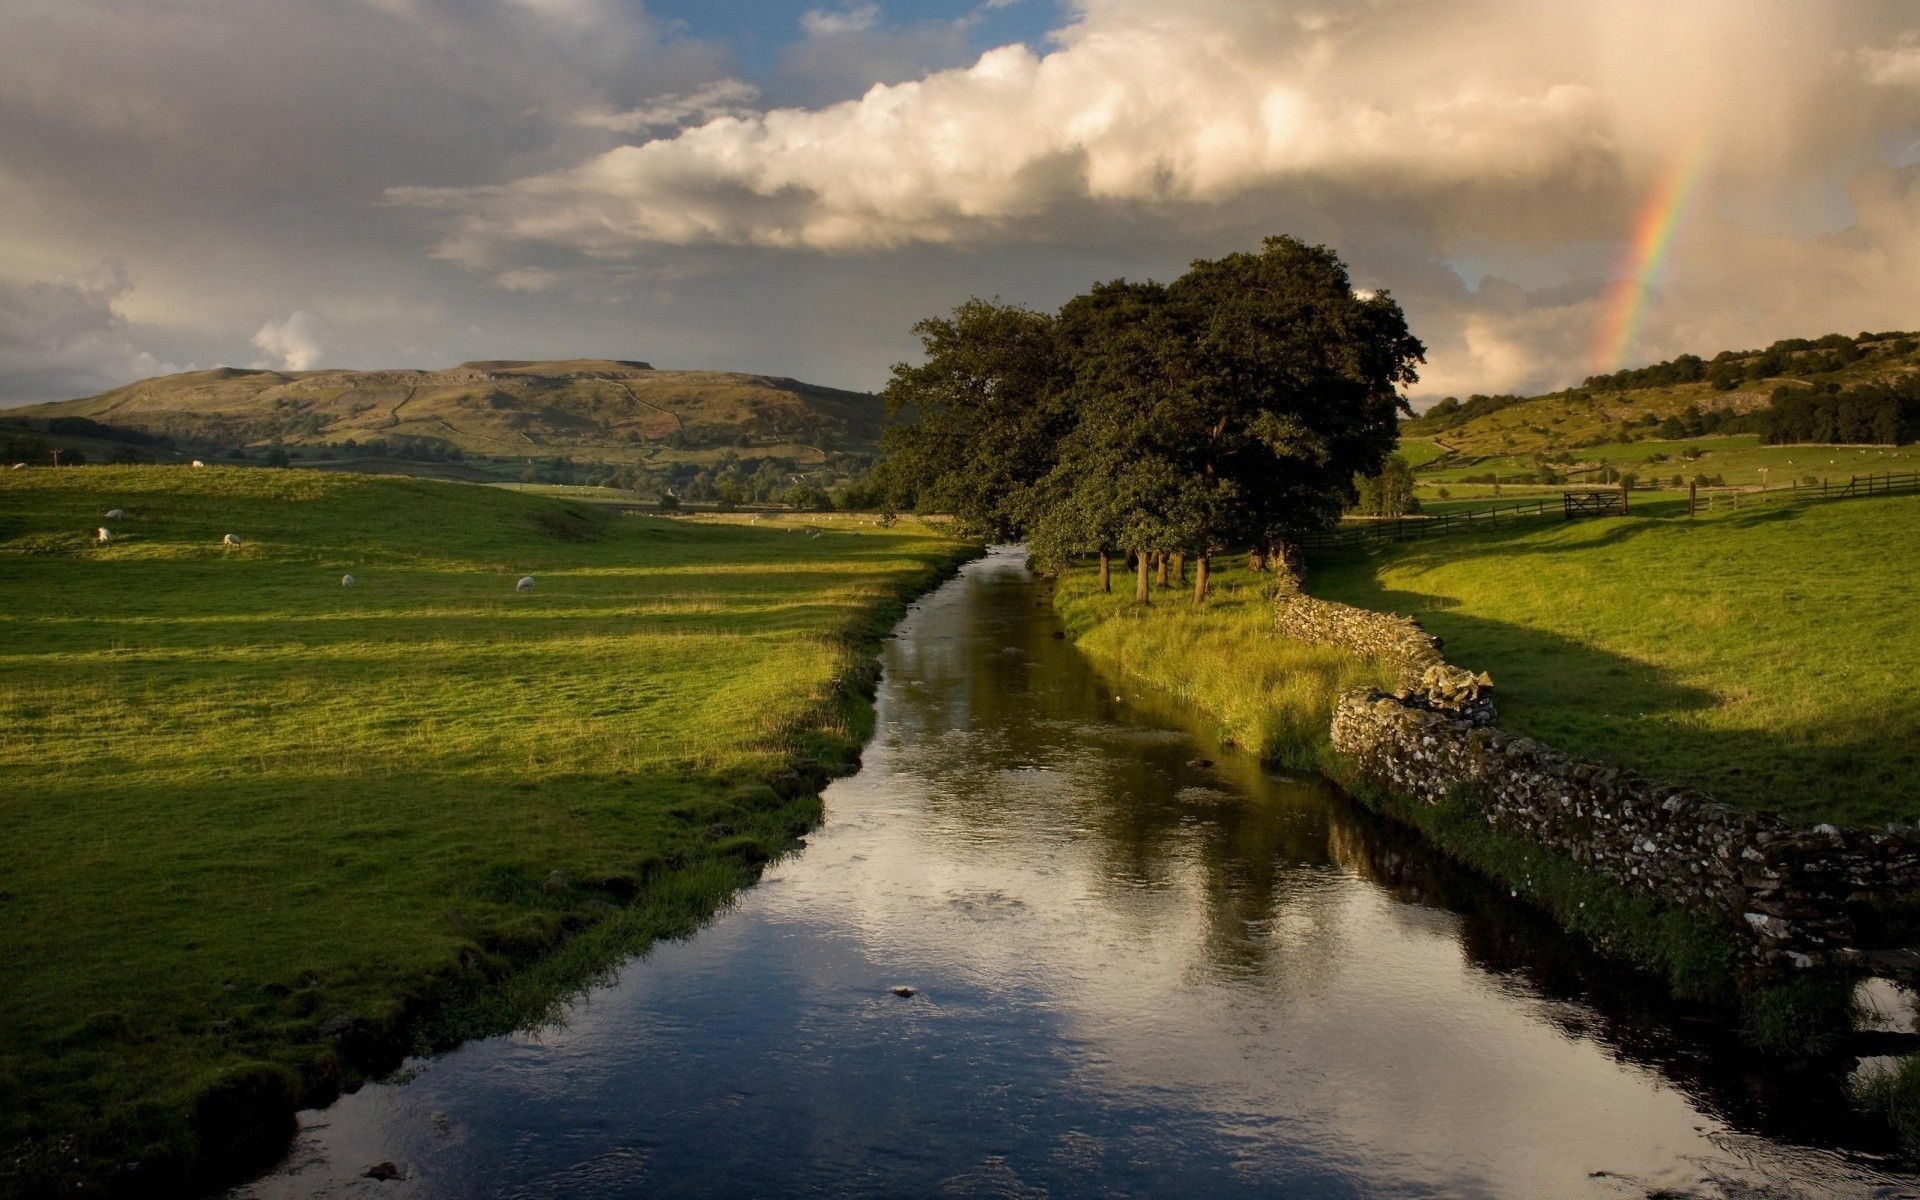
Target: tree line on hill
{"points": [[1232, 407], [1730, 369]]}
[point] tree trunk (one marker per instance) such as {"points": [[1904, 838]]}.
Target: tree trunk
{"points": [[1179, 568], [1161, 560], [1200, 580], [1141, 580], [1106, 572]]}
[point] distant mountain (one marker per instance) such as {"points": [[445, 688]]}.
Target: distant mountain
{"points": [[587, 408]]}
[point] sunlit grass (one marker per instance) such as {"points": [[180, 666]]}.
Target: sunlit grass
{"points": [[1273, 697], [239, 799]]}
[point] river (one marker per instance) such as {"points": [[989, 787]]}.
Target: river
{"points": [[1140, 966]]}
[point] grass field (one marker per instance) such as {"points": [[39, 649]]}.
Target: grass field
{"points": [[265, 832], [1765, 656], [1271, 697]]}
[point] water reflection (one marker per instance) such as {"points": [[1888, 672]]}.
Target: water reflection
{"points": [[1137, 972]]}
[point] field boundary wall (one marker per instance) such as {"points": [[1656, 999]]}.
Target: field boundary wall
{"points": [[1793, 897]]}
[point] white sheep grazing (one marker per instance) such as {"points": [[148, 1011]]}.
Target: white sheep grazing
{"points": [[346, 581], [116, 514], [18, 467], [525, 584], [103, 534], [230, 540], [198, 463]]}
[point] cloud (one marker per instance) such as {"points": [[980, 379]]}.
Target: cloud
{"points": [[62, 337], [293, 344], [1894, 66], [854, 18], [721, 98], [1136, 108], [624, 190]]}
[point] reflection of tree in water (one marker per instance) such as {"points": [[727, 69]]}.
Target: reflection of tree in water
{"points": [[1031, 749]]}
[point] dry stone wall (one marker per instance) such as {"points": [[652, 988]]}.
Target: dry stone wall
{"points": [[1794, 897]]}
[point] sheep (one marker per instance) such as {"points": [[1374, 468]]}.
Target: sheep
{"points": [[198, 463], [103, 534], [116, 514], [525, 584], [18, 467], [230, 540], [346, 581]]}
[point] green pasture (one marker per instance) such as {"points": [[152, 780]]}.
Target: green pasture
{"points": [[264, 831], [1738, 460], [1764, 655]]}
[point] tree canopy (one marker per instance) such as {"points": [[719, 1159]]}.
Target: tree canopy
{"points": [[1233, 406]]}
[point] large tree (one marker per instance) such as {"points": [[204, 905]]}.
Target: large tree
{"points": [[983, 415], [1297, 387], [1233, 406]]}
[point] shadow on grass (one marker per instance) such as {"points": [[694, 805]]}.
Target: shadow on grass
{"points": [[1597, 704]]}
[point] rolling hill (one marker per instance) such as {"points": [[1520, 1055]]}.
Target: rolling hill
{"points": [[603, 409], [1635, 405]]}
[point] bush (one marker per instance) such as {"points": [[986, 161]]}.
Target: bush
{"points": [[669, 502], [807, 497], [277, 457]]}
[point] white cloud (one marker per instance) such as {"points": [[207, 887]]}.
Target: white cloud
{"points": [[854, 18], [292, 344]]}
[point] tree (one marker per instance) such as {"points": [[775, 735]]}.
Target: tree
{"points": [[1118, 479], [1391, 492], [1235, 405], [277, 457], [1296, 390], [986, 414], [807, 497]]}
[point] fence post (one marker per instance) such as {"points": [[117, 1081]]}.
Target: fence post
{"points": [[1693, 496]]}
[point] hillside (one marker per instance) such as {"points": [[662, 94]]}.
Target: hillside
{"points": [[1686, 397], [602, 409]]}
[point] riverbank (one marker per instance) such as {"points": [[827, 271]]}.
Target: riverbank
{"points": [[270, 832], [1633, 918], [1270, 697]]}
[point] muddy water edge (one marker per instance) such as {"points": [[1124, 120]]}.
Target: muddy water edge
{"points": [[1051, 940]]}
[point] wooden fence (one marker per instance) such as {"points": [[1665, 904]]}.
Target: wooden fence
{"points": [[1610, 502], [1404, 529], [1856, 486]]}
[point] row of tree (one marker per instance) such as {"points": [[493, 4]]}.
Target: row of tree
{"points": [[1888, 413], [1232, 407]]}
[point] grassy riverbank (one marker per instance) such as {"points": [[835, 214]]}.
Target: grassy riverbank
{"points": [[265, 832], [1273, 698], [1765, 656]]}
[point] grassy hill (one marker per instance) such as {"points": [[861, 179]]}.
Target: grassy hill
{"points": [[265, 832], [1686, 397], [602, 411]]}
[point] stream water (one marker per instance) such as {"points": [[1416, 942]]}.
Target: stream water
{"points": [[1136, 972]]}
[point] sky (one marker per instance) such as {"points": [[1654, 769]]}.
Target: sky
{"points": [[1550, 188]]}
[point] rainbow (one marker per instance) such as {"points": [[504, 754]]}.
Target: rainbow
{"points": [[1653, 237]]}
